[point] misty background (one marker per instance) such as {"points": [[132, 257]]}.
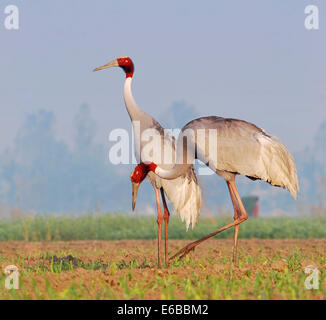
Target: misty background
{"points": [[253, 61], [43, 173]]}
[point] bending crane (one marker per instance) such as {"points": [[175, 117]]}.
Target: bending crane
{"points": [[241, 148]]}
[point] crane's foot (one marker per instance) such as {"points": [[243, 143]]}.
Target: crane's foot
{"points": [[235, 261], [184, 251]]}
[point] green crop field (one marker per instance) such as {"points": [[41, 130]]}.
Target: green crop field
{"points": [[116, 226]]}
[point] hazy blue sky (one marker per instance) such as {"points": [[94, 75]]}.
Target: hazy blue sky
{"points": [[252, 60]]}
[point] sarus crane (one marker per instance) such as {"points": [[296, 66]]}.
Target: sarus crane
{"points": [[183, 191], [240, 148]]}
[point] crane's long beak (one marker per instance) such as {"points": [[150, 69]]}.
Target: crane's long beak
{"points": [[113, 63], [135, 187]]}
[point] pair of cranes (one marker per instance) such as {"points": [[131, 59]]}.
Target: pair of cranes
{"points": [[241, 148]]}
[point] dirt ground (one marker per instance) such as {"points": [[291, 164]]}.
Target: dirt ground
{"points": [[127, 269]]}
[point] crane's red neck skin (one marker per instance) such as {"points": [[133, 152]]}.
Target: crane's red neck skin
{"points": [[127, 65], [152, 167]]}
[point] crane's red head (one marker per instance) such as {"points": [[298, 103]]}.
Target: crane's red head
{"points": [[139, 173], [127, 65], [137, 177], [123, 62]]}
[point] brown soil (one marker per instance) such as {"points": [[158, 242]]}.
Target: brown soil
{"points": [[210, 258]]}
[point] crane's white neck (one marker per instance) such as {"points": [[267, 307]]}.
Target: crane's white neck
{"points": [[177, 171], [131, 105], [140, 119]]}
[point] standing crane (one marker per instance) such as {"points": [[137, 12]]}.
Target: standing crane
{"points": [[183, 191], [239, 147]]}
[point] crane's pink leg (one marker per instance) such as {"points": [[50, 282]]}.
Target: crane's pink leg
{"points": [[159, 226], [166, 226], [237, 215], [243, 217], [237, 226]]}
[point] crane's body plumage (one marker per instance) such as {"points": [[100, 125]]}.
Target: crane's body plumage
{"points": [[242, 148]]}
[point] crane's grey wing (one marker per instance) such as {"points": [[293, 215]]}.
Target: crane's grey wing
{"points": [[185, 195], [245, 149]]}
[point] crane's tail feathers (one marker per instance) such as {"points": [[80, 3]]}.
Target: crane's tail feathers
{"points": [[278, 165], [185, 195]]}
